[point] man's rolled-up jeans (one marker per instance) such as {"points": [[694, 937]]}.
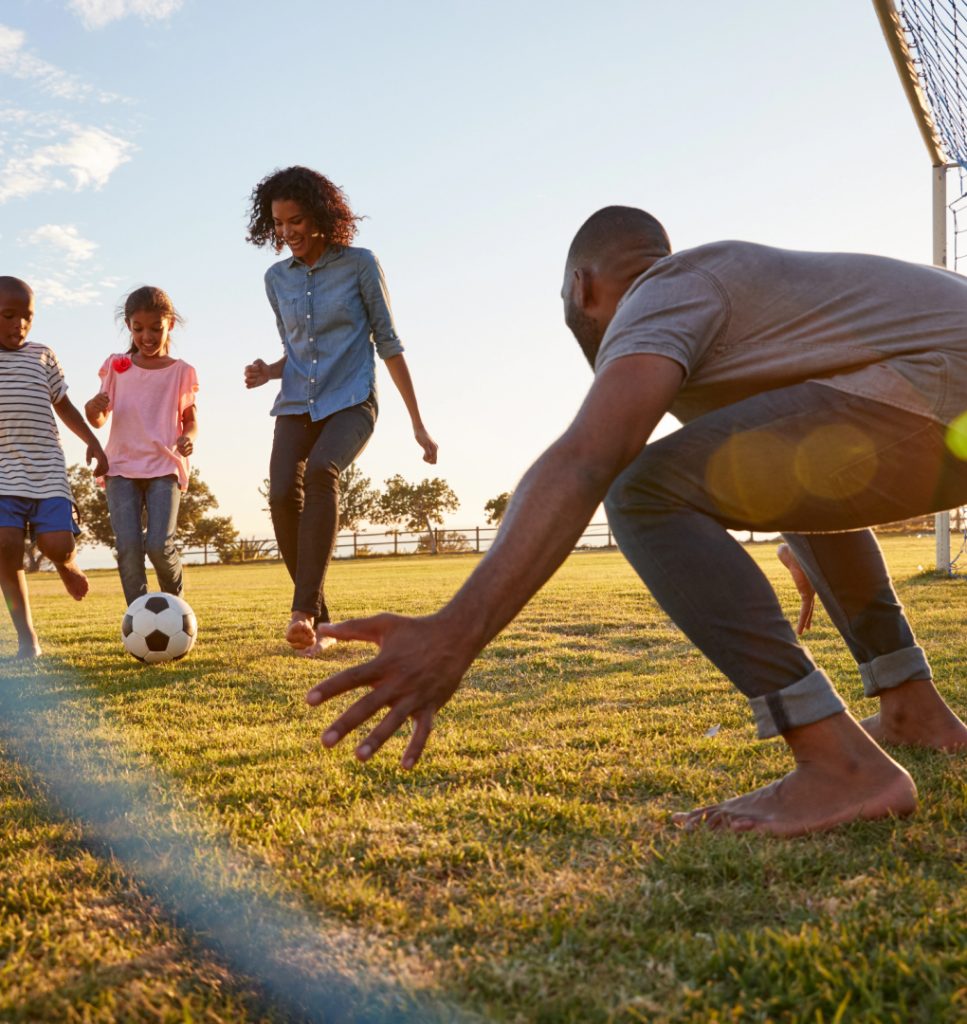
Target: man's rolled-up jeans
{"points": [[811, 462]]}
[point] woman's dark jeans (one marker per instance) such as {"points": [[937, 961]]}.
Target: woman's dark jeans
{"points": [[811, 462], [307, 458]]}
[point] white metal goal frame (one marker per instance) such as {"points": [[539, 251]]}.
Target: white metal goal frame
{"points": [[928, 42]]}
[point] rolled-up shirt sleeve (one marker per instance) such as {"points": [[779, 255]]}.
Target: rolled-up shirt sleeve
{"points": [[274, 303], [375, 295]]}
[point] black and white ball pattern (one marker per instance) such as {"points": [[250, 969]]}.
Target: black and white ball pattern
{"points": [[159, 627]]}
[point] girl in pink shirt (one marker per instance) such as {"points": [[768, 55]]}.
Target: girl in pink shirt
{"points": [[152, 398]]}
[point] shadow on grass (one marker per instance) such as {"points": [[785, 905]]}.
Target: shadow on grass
{"points": [[223, 898]]}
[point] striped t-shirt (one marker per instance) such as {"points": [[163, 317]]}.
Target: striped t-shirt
{"points": [[31, 458]]}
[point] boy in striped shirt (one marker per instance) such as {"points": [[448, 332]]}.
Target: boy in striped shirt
{"points": [[34, 491]]}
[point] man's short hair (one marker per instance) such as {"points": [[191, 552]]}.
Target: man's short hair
{"points": [[617, 228]]}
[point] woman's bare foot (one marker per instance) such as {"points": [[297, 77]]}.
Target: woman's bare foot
{"points": [[299, 633], [320, 645], [915, 715], [840, 776], [73, 579]]}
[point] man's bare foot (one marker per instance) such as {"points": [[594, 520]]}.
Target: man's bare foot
{"points": [[915, 715], [840, 776], [299, 633], [73, 579]]}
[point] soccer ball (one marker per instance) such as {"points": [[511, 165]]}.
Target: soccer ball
{"points": [[159, 627]]}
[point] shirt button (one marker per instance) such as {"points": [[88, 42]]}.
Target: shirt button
{"points": [[307, 316], [312, 380], [308, 293]]}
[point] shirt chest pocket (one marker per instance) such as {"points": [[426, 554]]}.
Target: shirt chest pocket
{"points": [[302, 315]]}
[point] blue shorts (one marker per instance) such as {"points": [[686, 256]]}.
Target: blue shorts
{"points": [[41, 515]]}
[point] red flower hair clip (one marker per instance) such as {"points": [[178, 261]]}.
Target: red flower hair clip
{"points": [[121, 364]]}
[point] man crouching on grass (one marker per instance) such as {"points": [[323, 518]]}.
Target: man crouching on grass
{"points": [[820, 394]]}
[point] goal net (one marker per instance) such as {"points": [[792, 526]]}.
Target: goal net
{"points": [[928, 41]]}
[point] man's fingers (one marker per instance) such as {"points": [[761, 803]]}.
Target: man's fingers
{"points": [[369, 630], [422, 726], [349, 679], [358, 713], [392, 721]]}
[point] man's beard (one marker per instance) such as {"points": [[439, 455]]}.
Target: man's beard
{"points": [[588, 332]]}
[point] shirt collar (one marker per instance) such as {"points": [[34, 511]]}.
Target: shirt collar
{"points": [[333, 252]]}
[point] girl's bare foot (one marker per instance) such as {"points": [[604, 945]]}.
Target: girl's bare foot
{"points": [[915, 715], [73, 579], [840, 776], [299, 633]]}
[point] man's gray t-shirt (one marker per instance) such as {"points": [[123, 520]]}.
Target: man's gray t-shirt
{"points": [[744, 318]]}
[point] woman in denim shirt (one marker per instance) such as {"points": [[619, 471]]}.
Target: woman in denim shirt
{"points": [[332, 310]]}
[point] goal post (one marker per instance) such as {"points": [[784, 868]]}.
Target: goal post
{"points": [[928, 42]]}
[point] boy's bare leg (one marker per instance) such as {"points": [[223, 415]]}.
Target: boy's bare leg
{"points": [[914, 714], [59, 547], [13, 583], [841, 775]]}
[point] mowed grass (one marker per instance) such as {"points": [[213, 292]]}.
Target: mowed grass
{"points": [[526, 869]]}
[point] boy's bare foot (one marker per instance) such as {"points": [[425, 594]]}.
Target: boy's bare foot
{"points": [[73, 579], [299, 633], [28, 648], [915, 715], [840, 776]]}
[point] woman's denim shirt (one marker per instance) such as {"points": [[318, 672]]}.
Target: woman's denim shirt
{"points": [[330, 317]]}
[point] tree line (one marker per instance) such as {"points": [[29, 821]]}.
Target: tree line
{"points": [[398, 505]]}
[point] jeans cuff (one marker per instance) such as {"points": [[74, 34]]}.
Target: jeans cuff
{"points": [[810, 700], [895, 669]]}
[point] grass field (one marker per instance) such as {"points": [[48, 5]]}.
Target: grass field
{"points": [[524, 871]]}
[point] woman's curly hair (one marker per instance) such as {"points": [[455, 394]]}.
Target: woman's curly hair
{"points": [[324, 203]]}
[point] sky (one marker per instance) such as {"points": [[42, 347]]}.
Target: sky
{"points": [[474, 138]]}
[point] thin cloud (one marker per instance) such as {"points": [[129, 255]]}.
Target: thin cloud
{"points": [[98, 13], [64, 239], [87, 159], [18, 62]]}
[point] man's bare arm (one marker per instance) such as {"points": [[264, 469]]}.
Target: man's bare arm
{"points": [[421, 661]]}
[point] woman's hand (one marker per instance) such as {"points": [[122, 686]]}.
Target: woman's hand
{"points": [[184, 445], [427, 443], [257, 374]]}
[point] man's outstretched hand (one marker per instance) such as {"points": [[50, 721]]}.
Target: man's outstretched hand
{"points": [[418, 669]]}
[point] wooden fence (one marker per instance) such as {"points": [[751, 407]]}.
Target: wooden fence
{"points": [[371, 544]]}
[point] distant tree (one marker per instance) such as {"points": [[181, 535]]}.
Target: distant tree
{"points": [[447, 540], [496, 507], [357, 497], [416, 506], [195, 504], [217, 532], [194, 529], [91, 507]]}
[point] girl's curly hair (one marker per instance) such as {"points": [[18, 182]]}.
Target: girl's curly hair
{"points": [[324, 203]]}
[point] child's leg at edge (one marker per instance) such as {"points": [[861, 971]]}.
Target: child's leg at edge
{"points": [[13, 583]]}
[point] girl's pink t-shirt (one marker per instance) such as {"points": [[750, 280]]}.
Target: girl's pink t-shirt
{"points": [[146, 409]]}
